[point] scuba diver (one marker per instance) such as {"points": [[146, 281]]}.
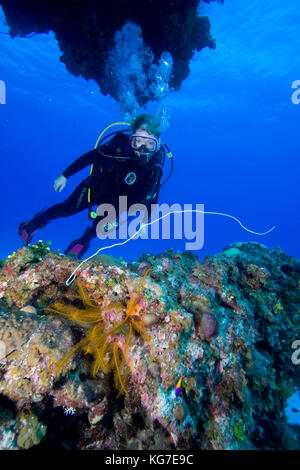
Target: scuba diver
{"points": [[130, 163]]}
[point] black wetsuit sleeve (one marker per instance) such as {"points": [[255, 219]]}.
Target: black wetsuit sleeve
{"points": [[82, 162]]}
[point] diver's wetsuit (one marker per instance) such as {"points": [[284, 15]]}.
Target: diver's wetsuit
{"points": [[136, 178], [111, 178]]}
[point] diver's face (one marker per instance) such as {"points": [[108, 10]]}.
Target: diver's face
{"points": [[143, 142]]}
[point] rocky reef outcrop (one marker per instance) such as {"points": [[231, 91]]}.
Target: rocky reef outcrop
{"points": [[85, 34], [164, 353]]}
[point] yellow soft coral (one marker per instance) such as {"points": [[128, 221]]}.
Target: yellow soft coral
{"points": [[110, 353]]}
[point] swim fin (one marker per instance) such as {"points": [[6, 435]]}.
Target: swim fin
{"points": [[26, 230]]}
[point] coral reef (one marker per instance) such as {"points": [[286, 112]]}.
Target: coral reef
{"points": [[222, 328], [85, 32], [108, 346]]}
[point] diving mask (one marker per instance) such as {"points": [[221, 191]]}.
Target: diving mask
{"points": [[143, 144]]}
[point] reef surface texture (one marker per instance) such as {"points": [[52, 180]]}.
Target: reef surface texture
{"points": [[85, 32], [164, 353]]}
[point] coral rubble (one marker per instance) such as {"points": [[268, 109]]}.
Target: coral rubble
{"points": [[224, 326]]}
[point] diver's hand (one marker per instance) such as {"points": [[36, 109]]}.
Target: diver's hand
{"points": [[60, 183]]}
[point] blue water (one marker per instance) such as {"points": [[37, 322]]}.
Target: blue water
{"points": [[233, 131]]}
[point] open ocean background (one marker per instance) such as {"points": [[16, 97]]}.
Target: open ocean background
{"points": [[234, 133]]}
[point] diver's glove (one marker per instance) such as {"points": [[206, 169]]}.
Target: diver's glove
{"points": [[60, 183]]}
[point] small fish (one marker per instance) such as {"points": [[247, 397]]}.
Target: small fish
{"points": [[177, 388], [295, 410]]}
